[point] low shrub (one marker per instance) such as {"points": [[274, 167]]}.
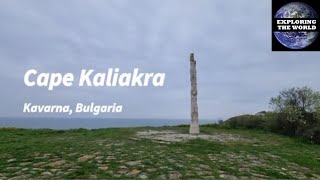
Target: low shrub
{"points": [[246, 121], [278, 123], [312, 135]]}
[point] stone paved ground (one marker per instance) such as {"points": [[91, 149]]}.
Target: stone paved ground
{"points": [[153, 155]]}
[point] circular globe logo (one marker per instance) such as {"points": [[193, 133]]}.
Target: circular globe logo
{"points": [[296, 39]]}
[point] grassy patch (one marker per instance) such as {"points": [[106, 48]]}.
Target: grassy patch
{"points": [[118, 154]]}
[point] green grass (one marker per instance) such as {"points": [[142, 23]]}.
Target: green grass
{"points": [[26, 153]]}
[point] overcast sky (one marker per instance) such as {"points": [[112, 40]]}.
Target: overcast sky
{"points": [[237, 71]]}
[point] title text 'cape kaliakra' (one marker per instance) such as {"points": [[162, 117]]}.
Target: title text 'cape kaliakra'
{"points": [[112, 77]]}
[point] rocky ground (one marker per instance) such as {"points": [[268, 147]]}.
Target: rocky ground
{"points": [[155, 154]]}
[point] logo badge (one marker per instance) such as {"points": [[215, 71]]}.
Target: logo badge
{"points": [[295, 25]]}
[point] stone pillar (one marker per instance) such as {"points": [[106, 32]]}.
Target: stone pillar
{"points": [[194, 126]]}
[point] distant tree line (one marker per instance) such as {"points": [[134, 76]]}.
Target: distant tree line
{"points": [[295, 112]]}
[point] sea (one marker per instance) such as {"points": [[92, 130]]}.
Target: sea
{"points": [[90, 123]]}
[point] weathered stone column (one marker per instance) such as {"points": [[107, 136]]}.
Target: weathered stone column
{"points": [[194, 126]]}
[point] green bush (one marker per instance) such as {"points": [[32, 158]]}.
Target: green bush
{"points": [[278, 123], [272, 122], [296, 112], [246, 121], [313, 135]]}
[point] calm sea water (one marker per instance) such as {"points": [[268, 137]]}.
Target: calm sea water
{"points": [[89, 123]]}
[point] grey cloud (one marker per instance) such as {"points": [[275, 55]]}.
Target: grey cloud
{"points": [[237, 71]]}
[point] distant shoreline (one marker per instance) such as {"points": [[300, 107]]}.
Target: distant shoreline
{"points": [[90, 123]]}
